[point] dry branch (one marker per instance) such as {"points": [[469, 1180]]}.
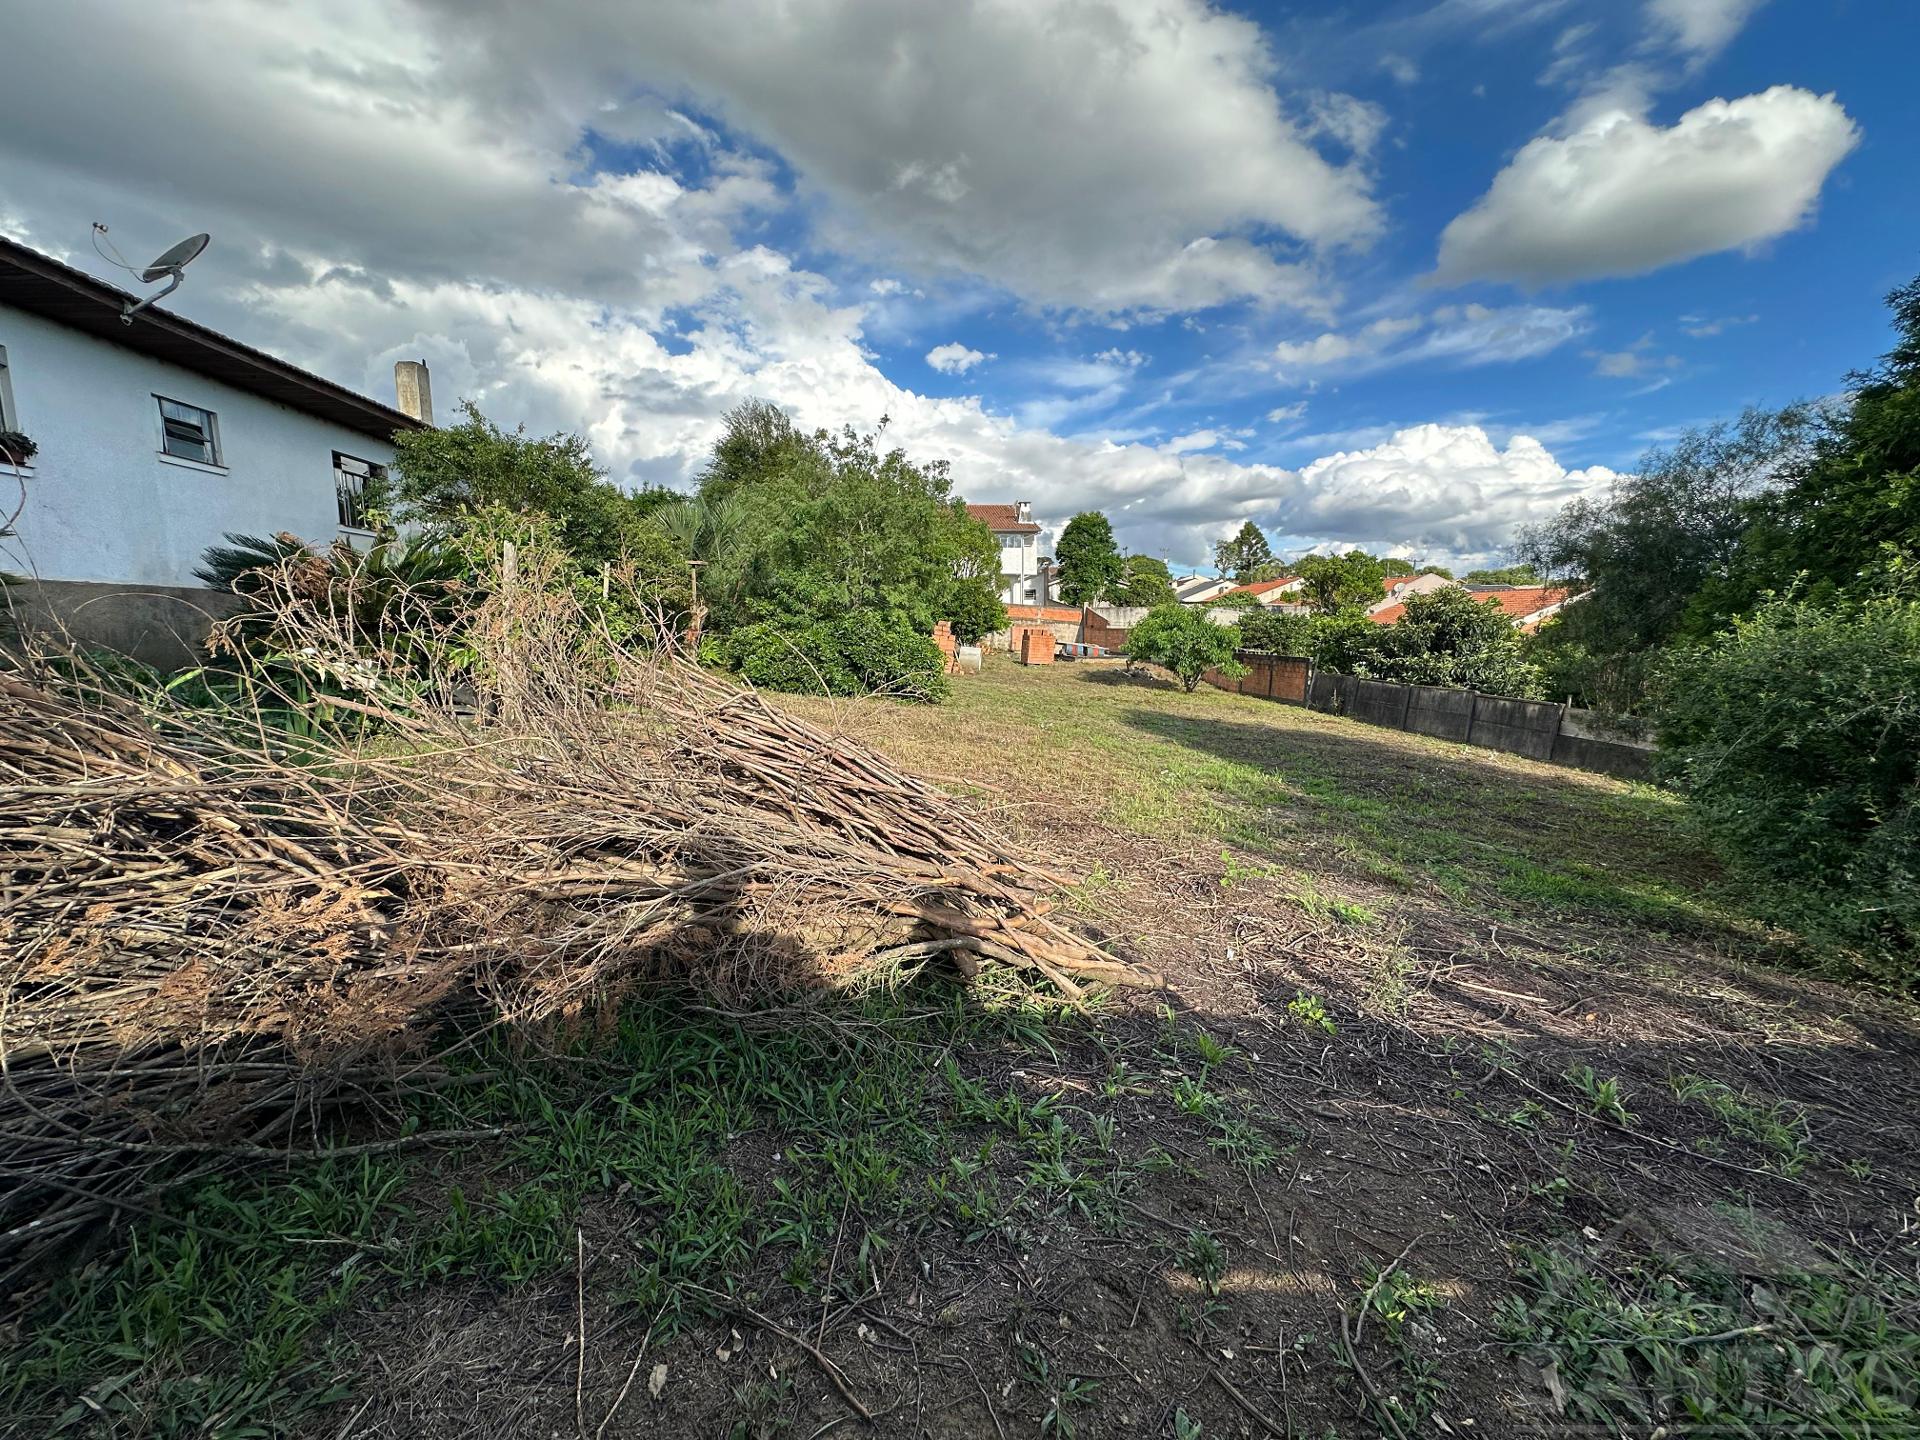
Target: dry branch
{"points": [[205, 933]]}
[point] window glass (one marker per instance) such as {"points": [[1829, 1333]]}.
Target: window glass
{"points": [[188, 432], [350, 477]]}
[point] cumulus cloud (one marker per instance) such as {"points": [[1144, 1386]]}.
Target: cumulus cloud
{"points": [[916, 124], [385, 181], [954, 358], [1618, 195], [1436, 488]]}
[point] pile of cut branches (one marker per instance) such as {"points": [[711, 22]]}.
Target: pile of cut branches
{"points": [[206, 930]]}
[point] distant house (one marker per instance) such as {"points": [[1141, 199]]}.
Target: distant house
{"points": [[1282, 590], [1013, 529], [1527, 606], [156, 440], [1198, 589], [1397, 588]]}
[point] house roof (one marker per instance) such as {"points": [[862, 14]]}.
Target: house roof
{"points": [[1003, 519], [1265, 587], [43, 286], [1519, 604]]}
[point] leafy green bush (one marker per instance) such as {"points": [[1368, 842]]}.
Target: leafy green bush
{"points": [[1796, 736], [1450, 637], [1181, 638], [857, 654]]}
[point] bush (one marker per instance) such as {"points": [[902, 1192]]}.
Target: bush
{"points": [[859, 654], [1796, 736], [1182, 639]]}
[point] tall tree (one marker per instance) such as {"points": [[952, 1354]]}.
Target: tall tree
{"points": [[1144, 581], [1087, 558], [1245, 557]]}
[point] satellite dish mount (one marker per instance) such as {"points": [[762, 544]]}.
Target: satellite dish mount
{"points": [[169, 267]]}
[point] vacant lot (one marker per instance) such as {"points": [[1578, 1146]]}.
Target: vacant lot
{"points": [[1471, 1105]]}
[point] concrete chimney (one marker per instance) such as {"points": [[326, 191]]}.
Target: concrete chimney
{"points": [[414, 387]]}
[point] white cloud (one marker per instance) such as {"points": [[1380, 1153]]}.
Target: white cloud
{"points": [[917, 124], [1130, 359], [887, 286], [1699, 29], [1620, 196], [1287, 414], [1703, 327], [1638, 360], [1400, 68], [638, 307], [1436, 488], [1463, 334], [954, 358]]}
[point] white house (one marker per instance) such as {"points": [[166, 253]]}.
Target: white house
{"points": [[155, 440], [1019, 540], [1198, 589]]}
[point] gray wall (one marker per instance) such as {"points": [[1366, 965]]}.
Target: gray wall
{"points": [[1538, 729], [161, 625]]}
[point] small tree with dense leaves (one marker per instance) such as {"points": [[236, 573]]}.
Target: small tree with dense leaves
{"points": [[1182, 639]]}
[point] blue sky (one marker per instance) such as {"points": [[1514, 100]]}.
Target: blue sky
{"points": [[1405, 275]]}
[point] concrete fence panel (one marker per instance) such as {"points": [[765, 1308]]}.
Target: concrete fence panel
{"points": [[1438, 711], [1519, 727]]}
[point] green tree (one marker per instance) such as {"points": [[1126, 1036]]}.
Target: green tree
{"points": [[439, 475], [1087, 559], [1661, 550], [1340, 582], [1393, 565], [1847, 523], [1182, 639], [1246, 557], [1144, 581], [1508, 575], [1796, 736]]}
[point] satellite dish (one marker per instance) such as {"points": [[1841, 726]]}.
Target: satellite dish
{"points": [[166, 266], [176, 259]]}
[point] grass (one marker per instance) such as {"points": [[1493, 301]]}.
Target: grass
{"points": [[809, 1167], [1648, 1341], [1272, 783], [817, 1151]]}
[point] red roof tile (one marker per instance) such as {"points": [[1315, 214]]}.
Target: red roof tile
{"points": [[1517, 604], [1003, 519], [1262, 587]]}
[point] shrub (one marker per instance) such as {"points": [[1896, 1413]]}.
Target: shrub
{"points": [[1796, 736], [887, 655], [858, 654], [1184, 640]]}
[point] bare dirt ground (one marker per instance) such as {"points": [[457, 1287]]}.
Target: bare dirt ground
{"points": [[1471, 1106]]}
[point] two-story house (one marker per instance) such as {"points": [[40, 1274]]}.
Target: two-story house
{"points": [[1021, 579], [156, 439]]}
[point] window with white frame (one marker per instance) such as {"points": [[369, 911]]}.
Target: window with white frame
{"points": [[351, 477], [188, 433]]}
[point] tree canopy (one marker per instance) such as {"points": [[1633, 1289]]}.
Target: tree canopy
{"points": [[1246, 557], [439, 475], [1144, 581], [1341, 582], [1088, 561]]}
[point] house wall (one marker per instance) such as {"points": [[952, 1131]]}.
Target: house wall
{"points": [[104, 505], [1019, 568]]}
